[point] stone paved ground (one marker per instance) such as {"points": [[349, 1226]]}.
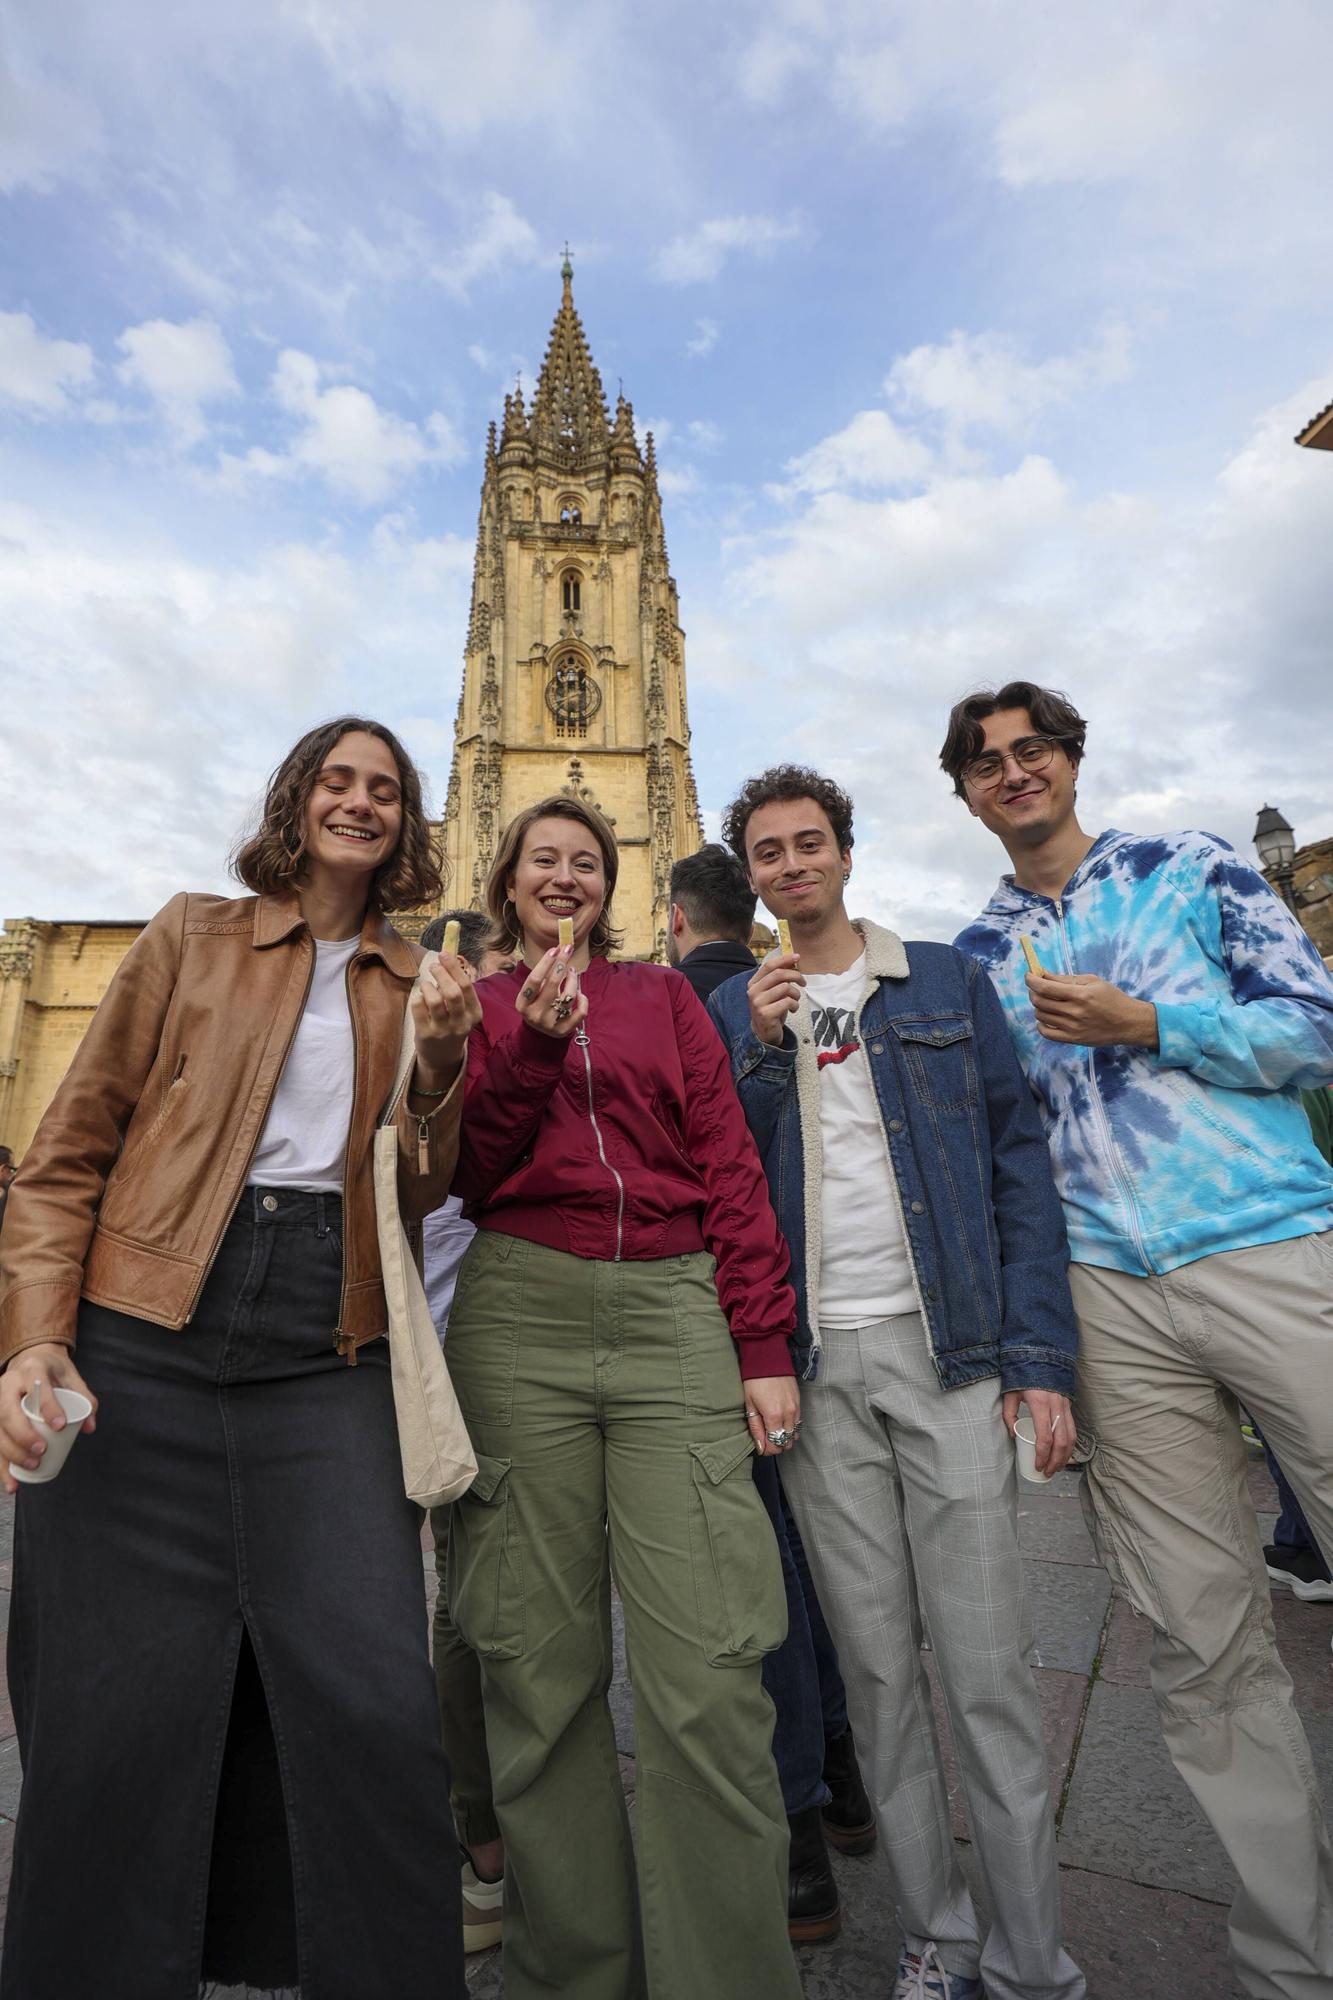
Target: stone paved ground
{"points": [[1145, 1881]]}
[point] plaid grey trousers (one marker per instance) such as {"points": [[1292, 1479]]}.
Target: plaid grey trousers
{"points": [[905, 1495]]}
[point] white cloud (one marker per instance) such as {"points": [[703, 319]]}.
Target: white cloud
{"points": [[871, 451], [704, 435], [183, 366], [701, 253], [703, 340], [39, 373], [1190, 627], [452, 72], [980, 381], [45, 132], [104, 631], [360, 450], [501, 239]]}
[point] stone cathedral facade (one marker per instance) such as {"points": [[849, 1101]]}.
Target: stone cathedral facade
{"points": [[574, 673]]}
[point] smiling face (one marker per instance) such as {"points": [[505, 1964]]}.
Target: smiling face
{"points": [[560, 873], [1025, 808], [354, 814], [795, 865]]}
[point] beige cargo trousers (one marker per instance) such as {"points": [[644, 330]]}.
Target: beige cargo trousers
{"points": [[607, 1413], [1163, 1362]]}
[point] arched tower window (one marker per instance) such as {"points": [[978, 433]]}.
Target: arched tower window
{"points": [[572, 695], [571, 592], [571, 512]]}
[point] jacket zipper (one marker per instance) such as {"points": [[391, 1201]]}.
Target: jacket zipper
{"points": [[1123, 1185], [581, 1037], [254, 1147]]}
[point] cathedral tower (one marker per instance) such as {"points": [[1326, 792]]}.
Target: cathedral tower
{"points": [[574, 672]]}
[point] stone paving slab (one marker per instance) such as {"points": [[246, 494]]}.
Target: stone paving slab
{"points": [[1145, 1944], [1130, 1815], [1051, 1525], [1126, 1643], [1068, 1606]]}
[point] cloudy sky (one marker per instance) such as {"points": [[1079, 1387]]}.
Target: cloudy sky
{"points": [[974, 336]]}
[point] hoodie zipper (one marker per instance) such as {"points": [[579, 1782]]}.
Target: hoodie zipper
{"points": [[581, 1037]]}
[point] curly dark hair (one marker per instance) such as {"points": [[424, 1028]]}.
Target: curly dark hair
{"points": [[506, 934], [1053, 714], [787, 781], [271, 858]]}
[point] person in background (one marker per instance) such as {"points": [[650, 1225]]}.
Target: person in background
{"points": [[906, 1163], [710, 921], [445, 1235], [1178, 1012], [222, 1696], [6, 1179], [622, 1308]]}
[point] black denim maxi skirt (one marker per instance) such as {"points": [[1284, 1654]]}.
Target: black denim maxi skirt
{"points": [[236, 1524]]}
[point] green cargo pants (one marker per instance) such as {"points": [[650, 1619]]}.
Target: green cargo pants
{"points": [[607, 1414]]}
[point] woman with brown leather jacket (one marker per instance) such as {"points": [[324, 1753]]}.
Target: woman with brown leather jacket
{"points": [[618, 1340], [217, 1655]]}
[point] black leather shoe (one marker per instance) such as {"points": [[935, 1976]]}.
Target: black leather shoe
{"points": [[813, 1910], [848, 1820]]}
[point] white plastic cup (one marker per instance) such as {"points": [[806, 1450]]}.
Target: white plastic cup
{"points": [[59, 1444], [1025, 1450]]}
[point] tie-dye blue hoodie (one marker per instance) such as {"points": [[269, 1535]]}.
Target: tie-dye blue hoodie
{"points": [[1201, 1145]]}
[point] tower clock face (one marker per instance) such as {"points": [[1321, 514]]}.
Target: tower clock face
{"points": [[573, 697]]}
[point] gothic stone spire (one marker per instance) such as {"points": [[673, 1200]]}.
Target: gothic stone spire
{"points": [[569, 415]]}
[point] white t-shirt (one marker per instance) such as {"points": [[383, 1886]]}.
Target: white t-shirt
{"points": [[864, 1272], [445, 1236], [305, 1134]]}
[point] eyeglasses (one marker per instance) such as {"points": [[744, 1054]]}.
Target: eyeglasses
{"points": [[1033, 753]]}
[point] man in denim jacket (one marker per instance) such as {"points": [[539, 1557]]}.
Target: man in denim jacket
{"points": [[910, 1175], [1176, 1013]]}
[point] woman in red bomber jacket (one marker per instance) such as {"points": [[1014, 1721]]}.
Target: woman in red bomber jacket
{"points": [[617, 1195]]}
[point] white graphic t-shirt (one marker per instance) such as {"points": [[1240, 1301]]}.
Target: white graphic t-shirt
{"points": [[864, 1273]]}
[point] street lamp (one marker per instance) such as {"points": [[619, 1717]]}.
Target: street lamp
{"points": [[1276, 844]]}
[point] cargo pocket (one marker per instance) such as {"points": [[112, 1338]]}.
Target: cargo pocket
{"points": [[734, 1553], [484, 1577]]}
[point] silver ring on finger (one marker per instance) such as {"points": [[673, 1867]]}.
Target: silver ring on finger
{"points": [[781, 1437], [564, 1007]]}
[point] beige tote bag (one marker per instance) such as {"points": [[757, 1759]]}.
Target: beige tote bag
{"points": [[438, 1462]]}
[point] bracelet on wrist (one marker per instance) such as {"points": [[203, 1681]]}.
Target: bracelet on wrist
{"points": [[417, 1091]]}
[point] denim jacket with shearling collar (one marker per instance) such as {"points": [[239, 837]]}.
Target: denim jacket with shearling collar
{"points": [[979, 1211]]}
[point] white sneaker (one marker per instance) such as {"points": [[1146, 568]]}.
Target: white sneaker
{"points": [[482, 1903], [922, 1977]]}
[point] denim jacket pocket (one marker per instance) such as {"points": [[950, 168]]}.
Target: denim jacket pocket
{"points": [[938, 1056], [737, 1569]]}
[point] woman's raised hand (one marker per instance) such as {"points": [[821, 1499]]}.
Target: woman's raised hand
{"points": [[445, 1010], [549, 999], [52, 1365]]}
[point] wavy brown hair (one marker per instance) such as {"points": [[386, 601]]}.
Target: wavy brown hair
{"points": [[776, 786], [505, 932], [271, 858]]}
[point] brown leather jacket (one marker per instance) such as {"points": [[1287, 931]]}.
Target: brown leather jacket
{"points": [[139, 1162]]}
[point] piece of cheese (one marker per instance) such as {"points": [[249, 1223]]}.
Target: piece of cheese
{"points": [[450, 944], [784, 934], [566, 932], [1035, 966]]}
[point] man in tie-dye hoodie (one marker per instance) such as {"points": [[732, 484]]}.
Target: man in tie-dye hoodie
{"points": [[1173, 1013]]}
